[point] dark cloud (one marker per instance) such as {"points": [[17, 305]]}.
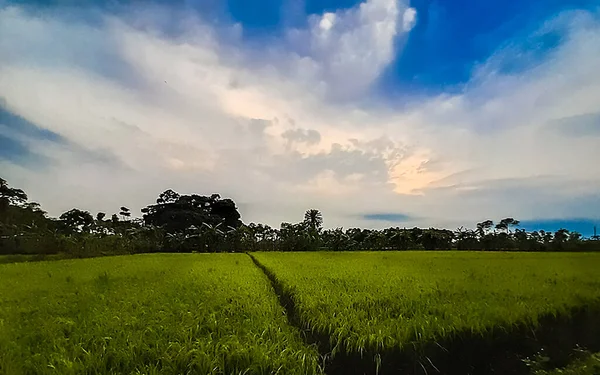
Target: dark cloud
{"points": [[21, 127], [18, 153], [587, 125], [545, 196], [342, 162], [258, 126], [17, 134], [387, 216], [308, 136]]}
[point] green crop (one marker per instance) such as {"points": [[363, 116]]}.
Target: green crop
{"points": [[378, 301], [146, 314], [218, 313]]}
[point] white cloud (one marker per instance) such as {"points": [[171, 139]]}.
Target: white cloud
{"points": [[283, 129], [357, 43], [327, 21], [409, 19]]}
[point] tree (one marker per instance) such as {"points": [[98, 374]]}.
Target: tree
{"points": [[505, 224], [125, 212], [175, 213], [77, 221], [298, 237], [484, 227], [466, 239], [337, 240], [560, 237], [168, 196], [10, 196], [314, 219], [437, 239], [213, 236]]}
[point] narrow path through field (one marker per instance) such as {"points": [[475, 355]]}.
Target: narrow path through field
{"points": [[292, 315]]}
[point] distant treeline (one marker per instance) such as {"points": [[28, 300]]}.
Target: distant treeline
{"points": [[185, 223]]}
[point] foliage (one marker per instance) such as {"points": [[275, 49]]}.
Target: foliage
{"points": [[10, 196], [147, 314], [313, 219], [366, 300], [176, 213], [589, 365], [188, 223], [77, 221]]}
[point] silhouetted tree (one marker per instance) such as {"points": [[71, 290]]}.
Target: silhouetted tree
{"points": [[77, 221], [506, 224], [314, 219], [10, 196], [176, 213], [125, 213], [484, 227]]}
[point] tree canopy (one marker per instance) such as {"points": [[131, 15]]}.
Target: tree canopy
{"points": [[176, 213], [209, 223]]}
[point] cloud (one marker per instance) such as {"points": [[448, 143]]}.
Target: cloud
{"points": [[586, 125], [141, 107], [16, 152], [409, 19], [17, 126], [327, 21], [308, 136], [357, 42], [387, 217]]}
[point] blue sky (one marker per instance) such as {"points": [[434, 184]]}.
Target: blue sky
{"points": [[380, 112]]}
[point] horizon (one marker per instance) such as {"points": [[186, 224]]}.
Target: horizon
{"points": [[378, 113]]}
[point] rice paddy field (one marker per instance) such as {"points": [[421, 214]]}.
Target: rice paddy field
{"points": [[146, 314], [289, 313], [384, 300]]}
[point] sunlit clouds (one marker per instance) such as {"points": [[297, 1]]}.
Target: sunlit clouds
{"points": [[298, 122]]}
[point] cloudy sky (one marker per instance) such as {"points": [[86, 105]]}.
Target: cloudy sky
{"points": [[378, 113]]}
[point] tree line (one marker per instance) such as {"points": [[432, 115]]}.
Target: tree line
{"points": [[186, 223]]}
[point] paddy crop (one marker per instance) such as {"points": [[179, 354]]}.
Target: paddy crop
{"points": [[392, 300], [146, 314], [224, 314]]}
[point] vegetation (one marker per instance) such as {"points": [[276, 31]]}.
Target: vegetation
{"points": [[186, 223], [146, 314], [331, 312], [588, 365], [380, 301]]}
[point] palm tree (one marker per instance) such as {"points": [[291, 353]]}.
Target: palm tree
{"points": [[314, 219]]}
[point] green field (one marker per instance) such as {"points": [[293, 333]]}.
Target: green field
{"points": [[146, 314], [384, 300], [219, 313]]}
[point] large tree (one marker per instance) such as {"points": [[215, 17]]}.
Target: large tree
{"points": [[484, 227], [77, 221], [176, 213], [506, 224]]}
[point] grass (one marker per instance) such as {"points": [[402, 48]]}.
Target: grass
{"points": [[18, 258], [379, 301], [218, 313], [589, 365], [146, 314]]}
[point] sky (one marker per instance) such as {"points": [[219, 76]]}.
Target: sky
{"points": [[379, 113]]}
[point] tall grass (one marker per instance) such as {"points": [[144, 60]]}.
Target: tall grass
{"points": [[146, 314], [378, 301]]}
